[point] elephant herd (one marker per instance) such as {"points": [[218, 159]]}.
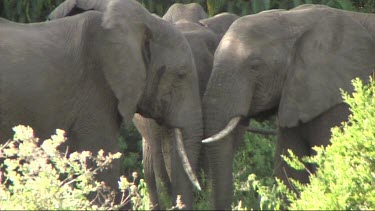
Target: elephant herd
{"points": [[183, 78]]}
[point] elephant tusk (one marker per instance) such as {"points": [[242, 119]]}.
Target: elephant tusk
{"points": [[185, 161], [231, 125]]}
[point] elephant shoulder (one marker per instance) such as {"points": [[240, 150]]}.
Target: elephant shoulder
{"points": [[326, 55]]}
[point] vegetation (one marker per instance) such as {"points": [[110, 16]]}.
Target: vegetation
{"points": [[37, 176], [37, 10], [27, 11], [254, 157], [345, 177]]}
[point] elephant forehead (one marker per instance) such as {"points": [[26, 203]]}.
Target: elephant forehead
{"points": [[233, 46]]}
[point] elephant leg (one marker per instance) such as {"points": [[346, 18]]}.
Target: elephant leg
{"points": [[164, 156], [167, 151], [184, 188], [96, 134], [290, 138], [150, 175], [318, 131], [155, 169], [302, 138], [156, 175]]}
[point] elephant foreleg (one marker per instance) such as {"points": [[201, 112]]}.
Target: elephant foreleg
{"points": [[302, 138], [154, 167], [149, 175], [289, 138]]}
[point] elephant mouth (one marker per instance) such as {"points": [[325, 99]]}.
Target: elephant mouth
{"points": [[148, 114]]}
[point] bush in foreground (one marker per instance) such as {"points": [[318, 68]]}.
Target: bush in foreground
{"points": [[345, 177], [37, 177]]}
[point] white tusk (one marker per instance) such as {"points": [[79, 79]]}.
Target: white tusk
{"points": [[231, 125], [185, 161]]}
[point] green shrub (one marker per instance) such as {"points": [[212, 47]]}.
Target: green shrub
{"points": [[41, 177], [130, 145], [255, 156], [345, 178]]}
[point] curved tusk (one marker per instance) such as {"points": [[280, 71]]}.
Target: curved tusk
{"points": [[185, 161], [231, 125]]}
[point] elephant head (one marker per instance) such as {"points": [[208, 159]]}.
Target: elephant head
{"points": [[158, 150], [203, 37], [149, 67], [293, 62], [192, 12], [220, 22]]}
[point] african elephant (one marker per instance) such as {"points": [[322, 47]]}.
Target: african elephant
{"points": [[203, 35], [89, 72], [292, 63]]}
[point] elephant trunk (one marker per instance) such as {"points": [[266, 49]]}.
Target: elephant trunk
{"points": [[227, 96], [186, 115], [188, 137]]}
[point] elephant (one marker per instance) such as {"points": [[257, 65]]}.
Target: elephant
{"points": [[291, 63], [203, 36], [93, 70]]}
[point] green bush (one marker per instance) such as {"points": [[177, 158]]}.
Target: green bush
{"points": [[255, 156], [345, 176], [130, 144], [38, 176]]}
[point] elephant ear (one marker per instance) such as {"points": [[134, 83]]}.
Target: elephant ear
{"points": [[126, 53], [73, 7], [330, 50]]}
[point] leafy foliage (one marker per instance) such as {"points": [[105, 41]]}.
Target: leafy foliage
{"points": [[345, 178], [37, 176], [253, 168], [27, 11], [130, 143]]}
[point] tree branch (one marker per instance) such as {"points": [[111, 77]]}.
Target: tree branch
{"points": [[262, 131]]}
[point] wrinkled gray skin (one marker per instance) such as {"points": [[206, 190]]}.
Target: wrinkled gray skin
{"points": [[292, 62], [88, 72], [158, 150]]}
